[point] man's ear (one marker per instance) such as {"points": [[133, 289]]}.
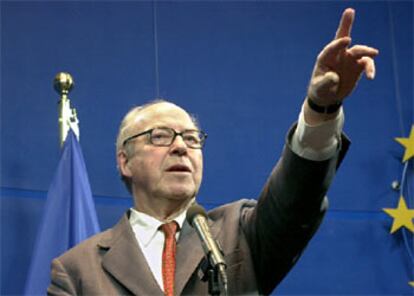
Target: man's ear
{"points": [[123, 166]]}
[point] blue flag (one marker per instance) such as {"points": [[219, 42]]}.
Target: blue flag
{"points": [[69, 216]]}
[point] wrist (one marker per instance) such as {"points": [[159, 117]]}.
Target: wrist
{"points": [[327, 109], [313, 117]]}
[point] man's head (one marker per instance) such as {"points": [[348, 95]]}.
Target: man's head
{"points": [[169, 172]]}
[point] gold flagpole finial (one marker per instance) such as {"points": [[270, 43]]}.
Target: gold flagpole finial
{"points": [[63, 84]]}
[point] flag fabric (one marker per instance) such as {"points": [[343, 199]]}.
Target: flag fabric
{"points": [[69, 216]]}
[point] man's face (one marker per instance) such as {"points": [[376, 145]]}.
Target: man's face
{"points": [[173, 172]]}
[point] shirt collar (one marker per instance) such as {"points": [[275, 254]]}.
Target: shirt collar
{"points": [[146, 226]]}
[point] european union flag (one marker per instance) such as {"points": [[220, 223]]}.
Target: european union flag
{"points": [[69, 216]]}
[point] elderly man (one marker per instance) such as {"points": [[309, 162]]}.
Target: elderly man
{"points": [[159, 154]]}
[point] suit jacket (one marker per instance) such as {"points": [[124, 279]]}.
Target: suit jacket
{"points": [[261, 240]]}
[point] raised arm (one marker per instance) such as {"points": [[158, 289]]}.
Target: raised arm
{"points": [[337, 70], [293, 200]]}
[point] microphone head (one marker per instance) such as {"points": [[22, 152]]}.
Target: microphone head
{"points": [[193, 211]]}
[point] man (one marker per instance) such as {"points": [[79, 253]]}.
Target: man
{"points": [[159, 155]]}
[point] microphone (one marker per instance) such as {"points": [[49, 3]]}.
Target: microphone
{"points": [[197, 218]]}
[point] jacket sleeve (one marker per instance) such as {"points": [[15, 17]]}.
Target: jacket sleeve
{"points": [[289, 211]]}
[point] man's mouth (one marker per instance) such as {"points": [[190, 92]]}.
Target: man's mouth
{"points": [[180, 168]]}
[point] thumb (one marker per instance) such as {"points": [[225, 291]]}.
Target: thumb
{"points": [[324, 87]]}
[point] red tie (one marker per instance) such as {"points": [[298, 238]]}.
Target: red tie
{"points": [[168, 257]]}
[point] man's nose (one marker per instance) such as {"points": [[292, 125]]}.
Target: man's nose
{"points": [[178, 146]]}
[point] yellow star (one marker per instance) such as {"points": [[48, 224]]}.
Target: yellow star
{"points": [[402, 216], [411, 283], [408, 143]]}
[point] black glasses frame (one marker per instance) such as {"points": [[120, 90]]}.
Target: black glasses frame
{"points": [[202, 138]]}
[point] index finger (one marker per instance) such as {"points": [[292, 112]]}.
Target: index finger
{"points": [[345, 25]]}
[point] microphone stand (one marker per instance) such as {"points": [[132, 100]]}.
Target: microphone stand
{"points": [[216, 276]]}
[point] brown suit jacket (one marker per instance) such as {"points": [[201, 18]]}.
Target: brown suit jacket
{"points": [[261, 240]]}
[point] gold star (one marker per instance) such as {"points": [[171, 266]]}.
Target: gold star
{"points": [[411, 283], [402, 216], [408, 143]]}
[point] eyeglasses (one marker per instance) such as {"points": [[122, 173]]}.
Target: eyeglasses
{"points": [[165, 136]]}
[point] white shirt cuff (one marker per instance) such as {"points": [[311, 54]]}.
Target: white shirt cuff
{"points": [[317, 142]]}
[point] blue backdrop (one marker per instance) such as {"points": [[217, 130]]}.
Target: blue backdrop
{"points": [[243, 69]]}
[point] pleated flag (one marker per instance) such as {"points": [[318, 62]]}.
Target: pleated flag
{"points": [[69, 216]]}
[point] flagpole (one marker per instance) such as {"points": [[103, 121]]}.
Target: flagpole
{"points": [[63, 84], [69, 212]]}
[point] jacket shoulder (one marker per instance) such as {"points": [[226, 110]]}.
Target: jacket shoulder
{"points": [[91, 248], [234, 209]]}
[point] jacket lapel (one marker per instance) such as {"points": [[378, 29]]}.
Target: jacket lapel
{"points": [[190, 253], [125, 262]]}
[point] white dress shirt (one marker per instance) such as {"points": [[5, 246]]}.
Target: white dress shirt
{"points": [[317, 143], [151, 239]]}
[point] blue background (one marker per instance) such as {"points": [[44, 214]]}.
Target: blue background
{"points": [[243, 69]]}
